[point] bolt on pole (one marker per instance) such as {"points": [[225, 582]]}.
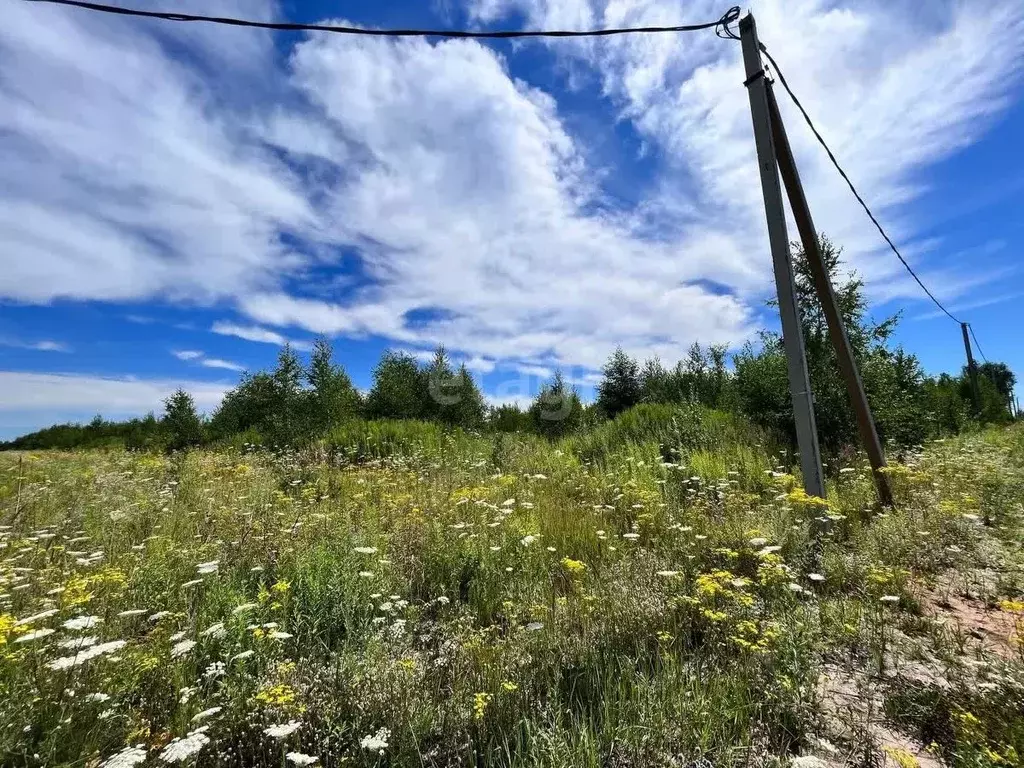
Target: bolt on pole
{"points": [[827, 298], [778, 238]]}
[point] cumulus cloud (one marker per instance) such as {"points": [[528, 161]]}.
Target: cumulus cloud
{"points": [[420, 192], [127, 171], [893, 86]]}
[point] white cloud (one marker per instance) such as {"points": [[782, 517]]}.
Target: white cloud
{"points": [[258, 334], [522, 402], [127, 171], [195, 355], [213, 174], [34, 400], [249, 333], [477, 203], [478, 364], [893, 87], [45, 345], [215, 362], [50, 346], [965, 306]]}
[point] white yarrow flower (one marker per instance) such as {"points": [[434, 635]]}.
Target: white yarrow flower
{"points": [[180, 649], [365, 550], [297, 758], [82, 622], [126, 758], [378, 742], [211, 567], [243, 608], [215, 631], [889, 598], [132, 612], [37, 617], [66, 662], [282, 730], [28, 638], [182, 749], [807, 761], [205, 714], [78, 643]]}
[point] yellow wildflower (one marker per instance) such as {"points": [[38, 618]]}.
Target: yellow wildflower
{"points": [[480, 702], [574, 567]]}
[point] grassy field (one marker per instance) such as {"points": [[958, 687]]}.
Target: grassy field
{"points": [[510, 602]]}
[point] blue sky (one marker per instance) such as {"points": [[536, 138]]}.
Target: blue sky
{"points": [[181, 199]]}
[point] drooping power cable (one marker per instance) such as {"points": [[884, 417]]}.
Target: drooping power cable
{"points": [[864, 205], [721, 25]]}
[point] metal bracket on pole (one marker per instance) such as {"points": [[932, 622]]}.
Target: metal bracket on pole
{"points": [[827, 298], [792, 332]]}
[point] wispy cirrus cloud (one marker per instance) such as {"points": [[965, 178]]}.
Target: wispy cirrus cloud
{"points": [[257, 334], [44, 345], [200, 358]]}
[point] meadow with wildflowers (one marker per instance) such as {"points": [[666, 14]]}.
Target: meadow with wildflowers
{"points": [[506, 600]]}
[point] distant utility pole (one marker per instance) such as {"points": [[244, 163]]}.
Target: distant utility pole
{"points": [[827, 297], [972, 370], [792, 332]]}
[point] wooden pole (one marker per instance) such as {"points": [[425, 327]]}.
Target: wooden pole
{"points": [[827, 297], [792, 331], [972, 370]]}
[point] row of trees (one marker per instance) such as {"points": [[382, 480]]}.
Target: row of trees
{"points": [[294, 403], [908, 405]]}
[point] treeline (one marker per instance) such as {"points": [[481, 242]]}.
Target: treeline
{"points": [[908, 405], [295, 404]]}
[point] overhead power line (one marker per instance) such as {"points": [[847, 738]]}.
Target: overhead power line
{"points": [[976, 343], [720, 25], [835, 162]]}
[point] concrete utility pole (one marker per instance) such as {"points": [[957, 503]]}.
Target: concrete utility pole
{"points": [[972, 370], [792, 332], [827, 297]]}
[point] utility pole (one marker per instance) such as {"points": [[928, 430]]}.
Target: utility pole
{"points": [[792, 332], [827, 297], [972, 370]]}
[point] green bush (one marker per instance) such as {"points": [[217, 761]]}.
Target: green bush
{"points": [[360, 440], [678, 429]]}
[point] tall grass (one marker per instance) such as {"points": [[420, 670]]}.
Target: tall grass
{"points": [[409, 596]]}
